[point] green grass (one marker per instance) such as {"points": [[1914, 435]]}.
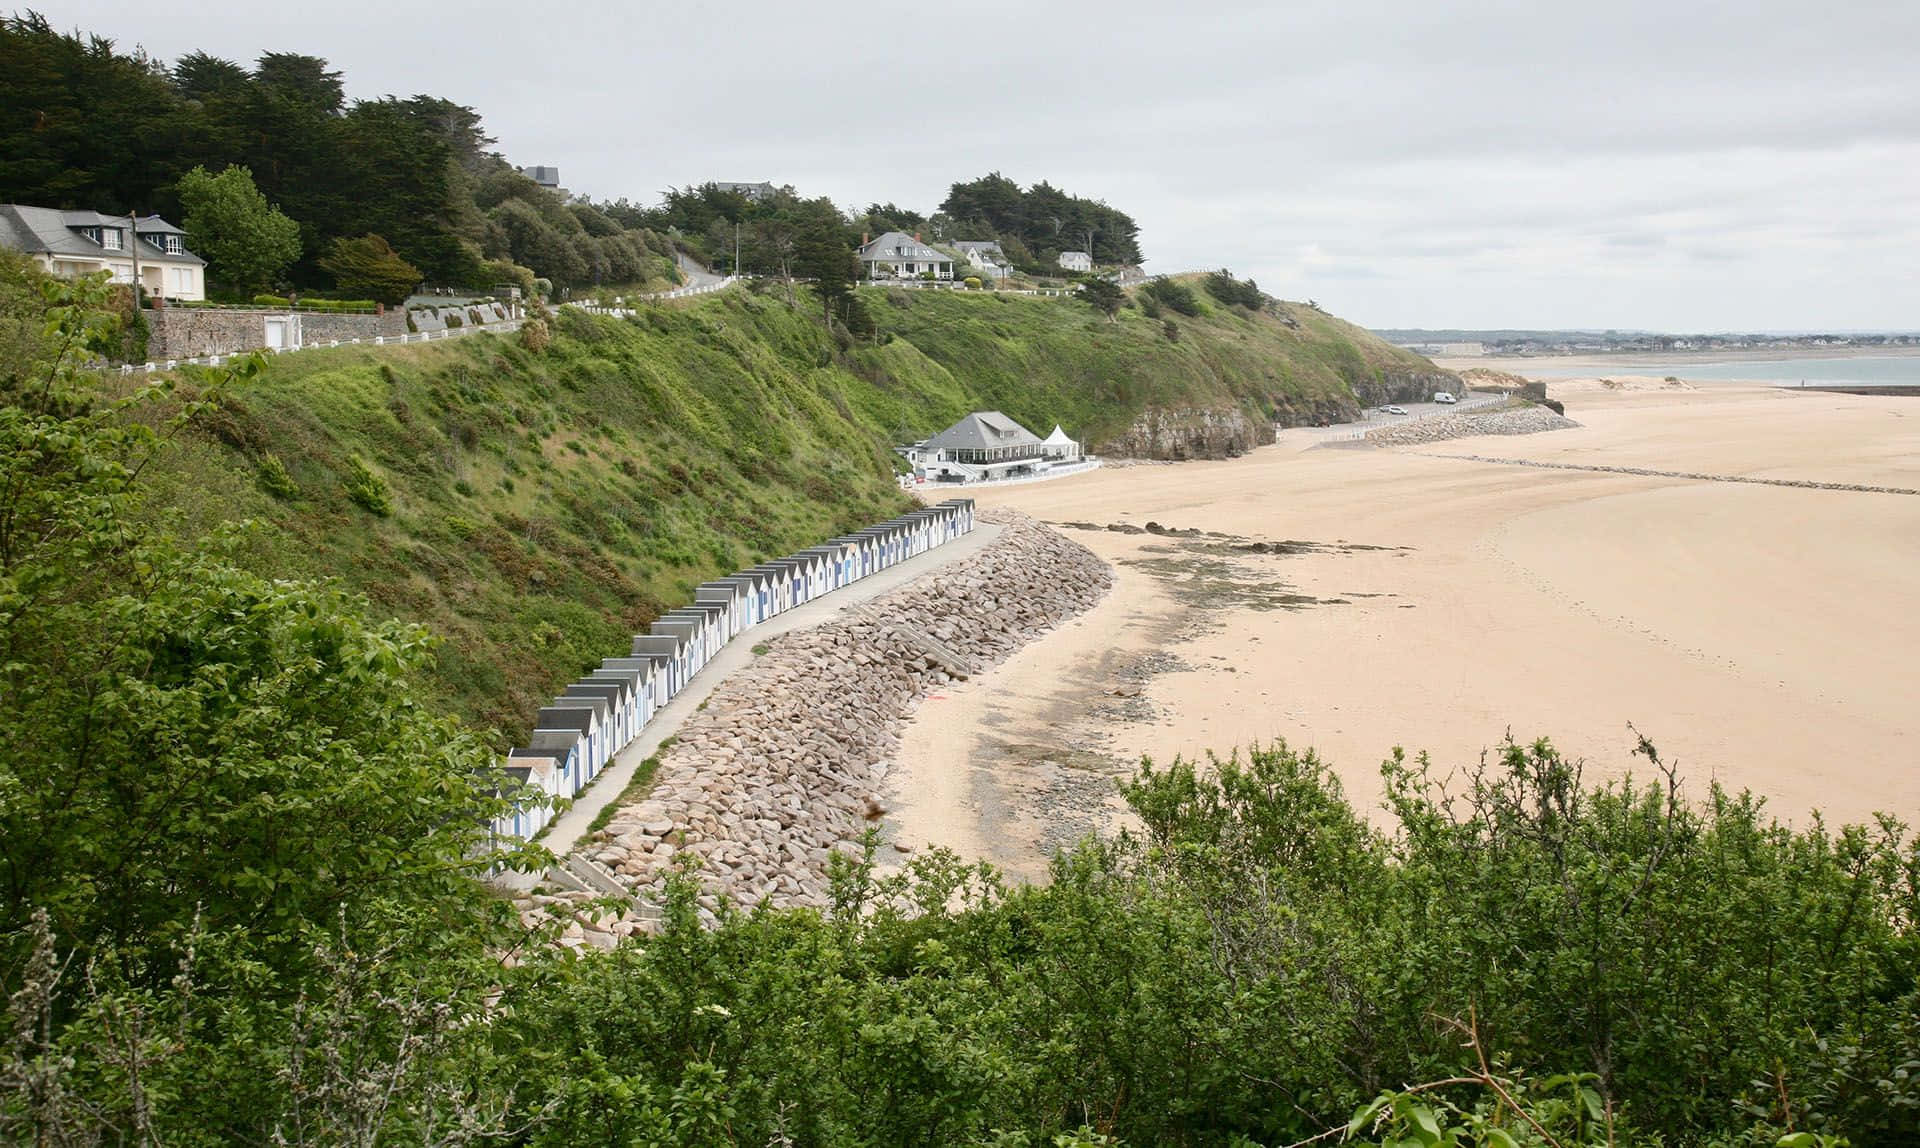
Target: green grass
{"points": [[1048, 360], [637, 787], [543, 507]]}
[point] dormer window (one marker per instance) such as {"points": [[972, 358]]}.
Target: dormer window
{"points": [[170, 244], [109, 237]]}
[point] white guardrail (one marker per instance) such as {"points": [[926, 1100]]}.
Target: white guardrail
{"points": [[502, 326]]}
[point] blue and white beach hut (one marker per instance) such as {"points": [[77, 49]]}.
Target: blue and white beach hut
{"points": [[589, 716], [641, 672], [567, 745], [622, 720]]}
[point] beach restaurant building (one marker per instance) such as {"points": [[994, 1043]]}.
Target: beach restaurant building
{"points": [[987, 446]]}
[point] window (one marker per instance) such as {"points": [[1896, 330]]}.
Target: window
{"points": [[171, 244], [109, 238]]}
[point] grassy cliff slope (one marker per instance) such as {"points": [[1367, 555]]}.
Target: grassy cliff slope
{"points": [[1048, 360], [541, 506], [544, 506]]}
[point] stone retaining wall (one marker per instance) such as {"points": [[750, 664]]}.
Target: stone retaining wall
{"points": [[191, 332], [1436, 428], [783, 765]]}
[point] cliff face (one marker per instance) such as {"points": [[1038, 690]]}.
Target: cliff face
{"points": [[1171, 386], [1188, 434]]}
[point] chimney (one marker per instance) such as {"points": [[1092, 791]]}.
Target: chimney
{"points": [[865, 239]]}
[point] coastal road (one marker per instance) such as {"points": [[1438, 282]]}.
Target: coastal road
{"points": [[697, 276], [567, 830], [1372, 419]]}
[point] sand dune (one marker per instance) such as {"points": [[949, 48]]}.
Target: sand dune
{"points": [[1763, 636]]}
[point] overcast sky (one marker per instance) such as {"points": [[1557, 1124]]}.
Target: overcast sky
{"points": [[1673, 166]]}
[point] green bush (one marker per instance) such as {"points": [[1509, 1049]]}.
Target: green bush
{"points": [[1223, 286], [1173, 295], [455, 321], [366, 489], [535, 335], [270, 301], [971, 283], [273, 478]]}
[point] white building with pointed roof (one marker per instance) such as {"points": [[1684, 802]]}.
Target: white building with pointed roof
{"points": [[987, 446], [897, 255], [1059, 446]]}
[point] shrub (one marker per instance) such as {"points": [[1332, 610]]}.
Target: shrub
{"points": [[366, 489], [1150, 307], [455, 321], [274, 479], [1174, 296], [971, 282], [462, 486], [1223, 286], [1171, 330], [270, 301], [535, 335]]}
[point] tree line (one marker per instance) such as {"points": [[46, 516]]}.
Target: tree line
{"points": [[85, 125]]}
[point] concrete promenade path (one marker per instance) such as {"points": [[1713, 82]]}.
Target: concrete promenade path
{"points": [[566, 831]]}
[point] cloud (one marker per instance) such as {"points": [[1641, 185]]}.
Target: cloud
{"points": [[1484, 163]]}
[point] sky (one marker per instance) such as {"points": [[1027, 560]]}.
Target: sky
{"points": [[1672, 166]]}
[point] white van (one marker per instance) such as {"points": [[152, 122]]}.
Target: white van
{"points": [[1443, 396]]}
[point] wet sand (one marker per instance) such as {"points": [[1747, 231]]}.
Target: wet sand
{"points": [[1766, 637]]}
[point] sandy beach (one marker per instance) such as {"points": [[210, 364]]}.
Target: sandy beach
{"points": [[1358, 599]]}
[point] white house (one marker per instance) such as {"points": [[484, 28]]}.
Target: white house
{"points": [[984, 256], [897, 255], [74, 243], [983, 445], [1076, 261]]}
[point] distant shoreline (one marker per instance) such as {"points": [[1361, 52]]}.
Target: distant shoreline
{"points": [[1634, 358]]}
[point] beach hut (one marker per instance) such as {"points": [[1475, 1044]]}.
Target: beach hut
{"points": [[644, 672], [527, 778], [760, 587], [711, 617], [651, 670], [622, 721], [568, 748], [669, 647], [689, 656], [590, 721], [729, 595]]}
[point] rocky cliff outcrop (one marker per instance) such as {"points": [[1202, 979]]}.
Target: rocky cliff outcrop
{"points": [[1189, 433], [1404, 387]]}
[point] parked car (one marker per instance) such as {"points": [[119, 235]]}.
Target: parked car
{"points": [[1443, 396], [1394, 410]]}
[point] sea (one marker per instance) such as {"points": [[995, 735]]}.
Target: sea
{"points": [[1864, 371]]}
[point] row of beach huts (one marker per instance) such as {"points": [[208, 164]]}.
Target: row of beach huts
{"points": [[596, 717]]}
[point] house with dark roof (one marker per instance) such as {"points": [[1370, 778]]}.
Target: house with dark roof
{"points": [[983, 445], [74, 243], [897, 255]]}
